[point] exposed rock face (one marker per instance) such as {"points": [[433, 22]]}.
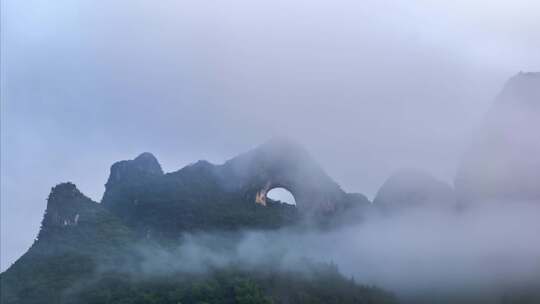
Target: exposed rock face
{"points": [[143, 167], [126, 175], [503, 162], [410, 189], [76, 235], [70, 211], [64, 206]]}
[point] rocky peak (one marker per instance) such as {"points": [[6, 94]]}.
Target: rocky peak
{"points": [[281, 162], [148, 162], [144, 165], [63, 191], [64, 205]]}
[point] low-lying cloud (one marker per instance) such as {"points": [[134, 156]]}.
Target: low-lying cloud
{"points": [[483, 248]]}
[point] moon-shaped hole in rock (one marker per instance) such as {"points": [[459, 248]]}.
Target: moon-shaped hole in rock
{"points": [[281, 194]]}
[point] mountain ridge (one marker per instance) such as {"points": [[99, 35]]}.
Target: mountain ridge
{"points": [[90, 252]]}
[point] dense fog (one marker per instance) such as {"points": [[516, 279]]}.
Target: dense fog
{"points": [[484, 250]]}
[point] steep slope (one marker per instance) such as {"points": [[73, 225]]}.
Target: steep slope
{"points": [[131, 248], [76, 236], [503, 162]]}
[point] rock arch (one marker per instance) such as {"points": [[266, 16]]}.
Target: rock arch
{"points": [[262, 195], [281, 163], [134, 184]]}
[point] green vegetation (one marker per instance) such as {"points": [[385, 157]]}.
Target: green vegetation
{"points": [[86, 254], [189, 200], [129, 249], [323, 284]]}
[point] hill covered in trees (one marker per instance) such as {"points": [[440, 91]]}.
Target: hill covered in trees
{"points": [[208, 233], [136, 246]]}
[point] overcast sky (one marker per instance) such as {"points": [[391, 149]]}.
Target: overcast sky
{"points": [[367, 86]]}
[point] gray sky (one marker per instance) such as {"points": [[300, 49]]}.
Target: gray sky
{"points": [[367, 86]]}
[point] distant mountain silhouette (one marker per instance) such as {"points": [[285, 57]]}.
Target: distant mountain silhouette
{"points": [[413, 189], [503, 161]]}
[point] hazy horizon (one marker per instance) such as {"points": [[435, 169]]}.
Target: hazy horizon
{"points": [[367, 88]]}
